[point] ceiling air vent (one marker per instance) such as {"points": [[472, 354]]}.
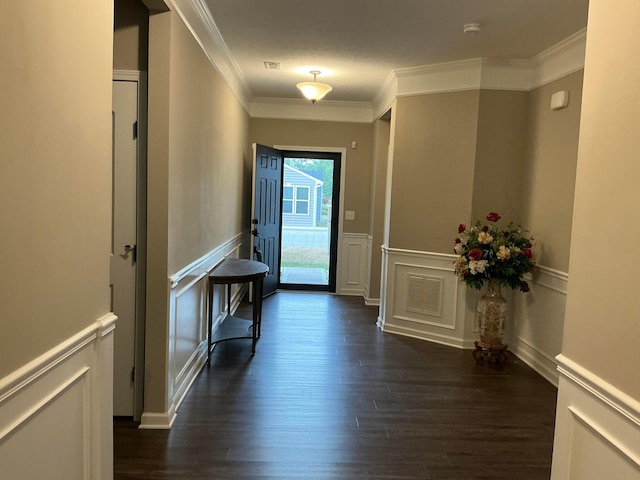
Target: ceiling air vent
{"points": [[272, 65]]}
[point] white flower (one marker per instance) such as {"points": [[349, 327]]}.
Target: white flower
{"points": [[459, 248], [503, 253], [478, 266]]}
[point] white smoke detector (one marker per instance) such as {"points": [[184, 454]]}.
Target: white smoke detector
{"points": [[472, 28]]}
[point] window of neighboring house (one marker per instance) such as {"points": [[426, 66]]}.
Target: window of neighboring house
{"points": [[295, 200], [302, 200], [287, 200]]}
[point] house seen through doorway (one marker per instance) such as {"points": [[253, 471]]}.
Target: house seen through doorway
{"points": [[309, 226]]}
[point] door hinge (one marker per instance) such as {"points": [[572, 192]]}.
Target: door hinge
{"points": [[135, 130], [133, 375]]}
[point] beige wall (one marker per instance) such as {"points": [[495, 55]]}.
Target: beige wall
{"points": [[55, 186], [381, 137], [131, 35], [550, 169], [208, 155], [433, 169], [502, 126], [602, 324], [157, 305], [199, 176], [329, 134]]}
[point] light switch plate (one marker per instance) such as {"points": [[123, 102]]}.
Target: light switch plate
{"points": [[349, 215]]}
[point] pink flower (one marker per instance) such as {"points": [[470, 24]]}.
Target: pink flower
{"points": [[527, 252], [461, 228], [493, 217], [475, 254]]}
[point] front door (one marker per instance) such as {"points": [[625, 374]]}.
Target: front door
{"points": [[267, 193], [310, 208], [123, 242]]}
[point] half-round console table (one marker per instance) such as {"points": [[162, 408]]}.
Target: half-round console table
{"points": [[229, 272]]}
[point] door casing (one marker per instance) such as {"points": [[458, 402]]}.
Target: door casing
{"points": [[141, 235], [332, 283], [343, 168]]}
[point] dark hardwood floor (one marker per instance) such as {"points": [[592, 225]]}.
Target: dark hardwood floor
{"points": [[329, 396]]}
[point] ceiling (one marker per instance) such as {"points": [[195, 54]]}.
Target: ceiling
{"points": [[358, 43]]}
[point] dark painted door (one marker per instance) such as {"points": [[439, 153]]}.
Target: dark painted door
{"points": [[267, 192]]}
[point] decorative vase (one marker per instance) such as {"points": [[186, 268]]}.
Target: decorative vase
{"points": [[492, 313]]}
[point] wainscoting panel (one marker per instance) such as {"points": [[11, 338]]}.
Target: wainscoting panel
{"points": [[536, 321], [352, 264], [597, 428], [56, 411], [423, 298], [188, 325]]}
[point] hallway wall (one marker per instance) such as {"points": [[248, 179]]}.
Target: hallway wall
{"points": [[381, 139], [55, 211], [199, 182], [469, 153], [598, 415]]}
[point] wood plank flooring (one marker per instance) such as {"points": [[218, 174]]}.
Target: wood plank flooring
{"points": [[329, 396]]}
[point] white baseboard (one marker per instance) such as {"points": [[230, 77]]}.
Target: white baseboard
{"points": [[597, 428], [66, 393], [537, 321], [372, 302], [157, 421]]}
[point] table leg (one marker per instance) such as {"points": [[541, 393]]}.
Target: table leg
{"points": [[254, 328], [258, 301], [209, 320]]}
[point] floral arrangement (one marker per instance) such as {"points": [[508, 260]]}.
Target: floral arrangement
{"points": [[492, 253]]}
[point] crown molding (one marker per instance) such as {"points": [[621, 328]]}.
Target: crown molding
{"points": [[298, 109], [562, 59], [386, 95], [197, 17]]}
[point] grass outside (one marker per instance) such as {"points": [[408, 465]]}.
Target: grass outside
{"points": [[302, 257]]}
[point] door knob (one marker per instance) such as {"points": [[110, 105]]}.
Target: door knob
{"points": [[133, 249]]}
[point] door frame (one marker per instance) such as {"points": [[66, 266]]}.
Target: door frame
{"points": [[343, 169], [141, 235]]}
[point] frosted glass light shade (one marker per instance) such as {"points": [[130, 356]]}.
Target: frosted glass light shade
{"points": [[314, 90]]}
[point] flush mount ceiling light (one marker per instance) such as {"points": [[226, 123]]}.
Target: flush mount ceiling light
{"points": [[472, 28], [314, 91]]}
